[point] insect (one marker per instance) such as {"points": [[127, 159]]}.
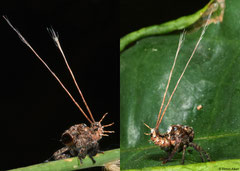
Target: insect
{"points": [[80, 140], [178, 137]]}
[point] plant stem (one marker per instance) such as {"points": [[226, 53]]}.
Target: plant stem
{"points": [[74, 163]]}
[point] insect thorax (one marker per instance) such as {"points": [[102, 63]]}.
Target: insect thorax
{"points": [[82, 132]]}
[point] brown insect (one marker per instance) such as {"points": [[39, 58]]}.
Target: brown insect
{"points": [[79, 140], [178, 137]]}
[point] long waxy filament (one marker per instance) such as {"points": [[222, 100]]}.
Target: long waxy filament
{"points": [[45, 64], [57, 43], [181, 39], [196, 46]]}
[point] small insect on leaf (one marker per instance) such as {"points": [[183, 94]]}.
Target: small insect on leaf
{"points": [[179, 137]]}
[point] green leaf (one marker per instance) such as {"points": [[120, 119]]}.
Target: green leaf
{"points": [[219, 165], [74, 163], [167, 27], [211, 80]]}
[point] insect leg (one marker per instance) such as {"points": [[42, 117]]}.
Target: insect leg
{"points": [[171, 154], [60, 154], [93, 151], [93, 160], [200, 150], [206, 154], [82, 152], [183, 153]]}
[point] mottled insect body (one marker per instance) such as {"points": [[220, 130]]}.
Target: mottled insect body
{"points": [[178, 137], [79, 140], [173, 136]]}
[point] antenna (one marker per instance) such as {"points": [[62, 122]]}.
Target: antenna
{"points": [[196, 46], [45, 64], [55, 38]]}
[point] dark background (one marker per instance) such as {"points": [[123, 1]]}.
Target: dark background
{"points": [[35, 110]]}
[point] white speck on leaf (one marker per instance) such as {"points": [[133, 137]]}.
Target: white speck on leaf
{"points": [[154, 50]]}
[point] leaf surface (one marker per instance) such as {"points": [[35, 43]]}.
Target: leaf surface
{"points": [[211, 80]]}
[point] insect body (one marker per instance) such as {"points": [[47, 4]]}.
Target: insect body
{"points": [[79, 140], [175, 134], [178, 137]]}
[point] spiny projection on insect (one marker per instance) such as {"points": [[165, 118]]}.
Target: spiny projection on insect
{"points": [[79, 140], [178, 137]]}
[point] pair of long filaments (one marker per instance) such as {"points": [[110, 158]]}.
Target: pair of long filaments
{"points": [[181, 39], [55, 38]]}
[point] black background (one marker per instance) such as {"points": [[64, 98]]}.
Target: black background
{"points": [[35, 110]]}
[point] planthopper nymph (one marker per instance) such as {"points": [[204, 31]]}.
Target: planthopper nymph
{"points": [[178, 137], [79, 140]]}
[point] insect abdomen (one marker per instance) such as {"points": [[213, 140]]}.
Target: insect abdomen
{"points": [[181, 131], [162, 141], [173, 136]]}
